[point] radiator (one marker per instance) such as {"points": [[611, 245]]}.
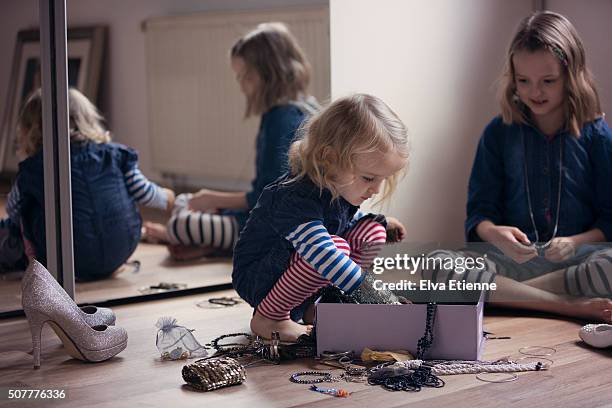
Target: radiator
{"points": [[196, 119]]}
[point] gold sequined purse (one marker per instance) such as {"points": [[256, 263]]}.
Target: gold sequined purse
{"points": [[213, 373]]}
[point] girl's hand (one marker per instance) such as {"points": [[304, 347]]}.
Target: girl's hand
{"points": [[560, 249], [396, 231], [510, 240], [205, 201]]}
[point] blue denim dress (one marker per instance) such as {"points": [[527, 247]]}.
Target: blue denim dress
{"points": [[262, 253], [106, 221], [498, 191]]}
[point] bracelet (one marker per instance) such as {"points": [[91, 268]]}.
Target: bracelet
{"points": [[537, 351], [232, 347], [325, 377], [509, 377]]}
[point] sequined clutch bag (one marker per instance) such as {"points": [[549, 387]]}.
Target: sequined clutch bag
{"points": [[213, 373]]}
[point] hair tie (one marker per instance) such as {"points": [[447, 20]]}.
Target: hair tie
{"points": [[558, 52]]}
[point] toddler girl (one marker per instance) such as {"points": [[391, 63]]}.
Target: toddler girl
{"points": [[106, 188], [306, 231]]}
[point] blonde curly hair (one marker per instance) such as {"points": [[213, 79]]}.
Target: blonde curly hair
{"points": [[330, 141], [85, 122]]}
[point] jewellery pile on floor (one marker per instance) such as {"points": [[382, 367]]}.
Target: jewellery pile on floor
{"points": [[227, 365]]}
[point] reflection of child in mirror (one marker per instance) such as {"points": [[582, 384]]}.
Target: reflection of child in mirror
{"points": [[306, 231], [273, 74], [106, 186]]}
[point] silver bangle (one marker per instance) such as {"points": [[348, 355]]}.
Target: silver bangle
{"points": [[511, 377]]}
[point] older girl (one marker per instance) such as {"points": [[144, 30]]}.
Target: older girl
{"points": [[273, 74]]}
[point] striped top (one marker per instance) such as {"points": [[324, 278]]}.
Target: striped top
{"points": [[314, 243], [144, 191]]}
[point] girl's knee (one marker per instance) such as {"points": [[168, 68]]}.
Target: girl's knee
{"points": [[370, 231], [341, 244]]}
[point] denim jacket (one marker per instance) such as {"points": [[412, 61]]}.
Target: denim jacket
{"points": [[497, 188], [262, 253]]}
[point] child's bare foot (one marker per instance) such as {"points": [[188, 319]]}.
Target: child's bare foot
{"points": [[154, 233], [288, 329], [189, 253], [595, 309]]}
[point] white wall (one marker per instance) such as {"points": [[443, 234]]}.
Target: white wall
{"points": [[124, 88], [435, 62]]}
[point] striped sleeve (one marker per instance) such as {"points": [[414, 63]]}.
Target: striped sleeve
{"points": [[313, 242], [144, 191]]}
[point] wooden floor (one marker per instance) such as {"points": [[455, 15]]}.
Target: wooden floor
{"points": [[580, 376], [156, 267]]}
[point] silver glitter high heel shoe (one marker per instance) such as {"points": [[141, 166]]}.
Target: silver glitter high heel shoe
{"points": [[43, 302], [93, 315]]}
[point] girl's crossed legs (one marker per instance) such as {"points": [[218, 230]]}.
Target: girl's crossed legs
{"points": [[191, 234]]}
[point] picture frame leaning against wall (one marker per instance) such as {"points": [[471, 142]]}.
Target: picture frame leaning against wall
{"points": [[86, 48]]}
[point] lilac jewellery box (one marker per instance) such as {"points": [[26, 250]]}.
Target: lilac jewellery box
{"points": [[457, 329]]}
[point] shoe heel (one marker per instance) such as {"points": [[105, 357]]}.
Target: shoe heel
{"points": [[36, 322]]}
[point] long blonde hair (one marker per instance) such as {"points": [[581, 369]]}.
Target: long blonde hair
{"points": [[330, 140], [274, 53], [85, 122], [552, 32]]}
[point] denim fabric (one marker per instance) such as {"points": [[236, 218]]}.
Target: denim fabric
{"points": [[12, 254], [262, 253], [106, 222], [497, 190], [277, 131]]}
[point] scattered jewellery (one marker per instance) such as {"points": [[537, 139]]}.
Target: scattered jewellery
{"points": [[219, 302], [425, 342], [344, 360], [399, 378], [492, 377], [538, 351], [331, 391], [268, 352], [252, 343], [473, 367], [323, 377], [176, 354]]}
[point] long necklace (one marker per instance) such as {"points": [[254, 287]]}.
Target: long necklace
{"points": [[537, 243]]}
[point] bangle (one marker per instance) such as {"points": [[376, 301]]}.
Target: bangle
{"points": [[324, 377]]}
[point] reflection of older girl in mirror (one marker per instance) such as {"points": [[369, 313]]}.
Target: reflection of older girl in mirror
{"points": [[273, 74], [540, 186], [106, 186]]}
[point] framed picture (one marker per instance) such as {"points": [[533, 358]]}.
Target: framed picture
{"points": [[85, 53]]}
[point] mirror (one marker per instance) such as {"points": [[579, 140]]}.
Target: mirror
{"points": [[185, 120]]}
